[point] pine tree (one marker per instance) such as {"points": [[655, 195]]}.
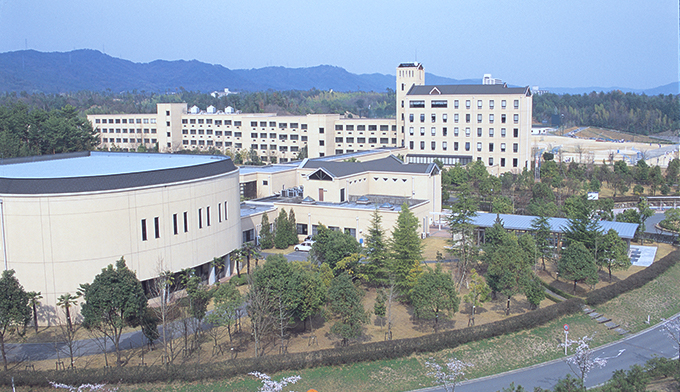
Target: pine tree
{"points": [[541, 228], [406, 249], [614, 255], [266, 235], [375, 250], [281, 235], [292, 228], [577, 264]]}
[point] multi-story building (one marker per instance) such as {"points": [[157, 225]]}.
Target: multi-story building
{"points": [[275, 138], [461, 123], [452, 123]]}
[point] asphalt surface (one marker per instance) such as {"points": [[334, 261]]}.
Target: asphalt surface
{"points": [[622, 354]]}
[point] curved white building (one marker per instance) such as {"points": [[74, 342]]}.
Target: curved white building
{"points": [[65, 217]]}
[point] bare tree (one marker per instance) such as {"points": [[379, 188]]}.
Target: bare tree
{"points": [[449, 376], [261, 311], [164, 307], [579, 149], [67, 335]]}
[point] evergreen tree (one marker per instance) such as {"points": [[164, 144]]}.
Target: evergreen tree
{"points": [[577, 264], [541, 229], [266, 235], [282, 233], [478, 294], [375, 251], [462, 230], [345, 302], [406, 249], [509, 269], [14, 309], [433, 293], [292, 228], [614, 255]]}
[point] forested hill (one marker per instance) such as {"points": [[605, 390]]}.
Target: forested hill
{"points": [[78, 70]]}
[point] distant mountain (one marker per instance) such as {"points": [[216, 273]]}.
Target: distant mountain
{"points": [[670, 88], [85, 69]]}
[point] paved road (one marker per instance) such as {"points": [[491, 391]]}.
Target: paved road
{"points": [[635, 349], [293, 256]]}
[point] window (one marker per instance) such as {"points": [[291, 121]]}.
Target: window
{"points": [[174, 224], [455, 146], [502, 147], [143, 229], [253, 135], [237, 123], [455, 104], [200, 218], [283, 137], [479, 118], [422, 145], [455, 118], [467, 117], [490, 132], [439, 104], [491, 103], [237, 134], [410, 117], [372, 140], [303, 138], [467, 146], [186, 222], [384, 140], [479, 146], [422, 117], [416, 104], [363, 127], [226, 211], [455, 131], [410, 130], [272, 136], [361, 140], [433, 117], [467, 104], [321, 130], [349, 139], [515, 147], [445, 131], [219, 206], [516, 104], [490, 161], [444, 145], [422, 131], [207, 216], [514, 162], [410, 145], [479, 104], [433, 131], [156, 227], [491, 118], [515, 132], [479, 132], [263, 135], [302, 229], [382, 128], [283, 125], [503, 104], [503, 118], [515, 118], [467, 132], [253, 123], [294, 125], [445, 117], [502, 162], [490, 147], [502, 132], [433, 145], [349, 127]]}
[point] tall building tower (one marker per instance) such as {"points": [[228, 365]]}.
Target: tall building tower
{"points": [[408, 75]]}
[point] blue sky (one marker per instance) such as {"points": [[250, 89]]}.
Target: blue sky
{"points": [[567, 43]]}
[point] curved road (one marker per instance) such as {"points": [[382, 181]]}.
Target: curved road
{"points": [[622, 354]]}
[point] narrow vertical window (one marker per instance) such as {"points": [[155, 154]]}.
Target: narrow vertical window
{"points": [[226, 210], [219, 212], [186, 222], [207, 216], [156, 228], [143, 229], [174, 224], [200, 218]]}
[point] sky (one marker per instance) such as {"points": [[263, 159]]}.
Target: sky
{"points": [[549, 43]]}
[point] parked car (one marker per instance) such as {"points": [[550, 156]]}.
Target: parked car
{"points": [[305, 246]]}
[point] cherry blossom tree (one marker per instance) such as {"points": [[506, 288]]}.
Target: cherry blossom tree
{"points": [[450, 375], [672, 330], [583, 360], [83, 387], [269, 385]]}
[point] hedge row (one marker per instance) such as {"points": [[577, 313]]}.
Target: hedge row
{"points": [[638, 279], [275, 363]]}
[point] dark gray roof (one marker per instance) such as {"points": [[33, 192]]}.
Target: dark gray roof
{"points": [[468, 89], [32, 186], [389, 164], [410, 65]]}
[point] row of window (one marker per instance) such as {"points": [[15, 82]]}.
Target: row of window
{"points": [[236, 123], [222, 215], [125, 121], [372, 140], [253, 135], [350, 127], [442, 103], [126, 140], [468, 145], [456, 118], [131, 130], [456, 132]]}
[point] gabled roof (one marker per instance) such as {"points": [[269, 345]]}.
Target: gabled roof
{"points": [[388, 164], [467, 89]]}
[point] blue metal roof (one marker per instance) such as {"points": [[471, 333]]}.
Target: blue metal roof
{"points": [[557, 225]]}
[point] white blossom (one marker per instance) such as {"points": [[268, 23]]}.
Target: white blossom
{"points": [[269, 385], [449, 376], [83, 387], [672, 330], [583, 359]]}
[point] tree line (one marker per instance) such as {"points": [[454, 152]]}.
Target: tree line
{"points": [[630, 112]]}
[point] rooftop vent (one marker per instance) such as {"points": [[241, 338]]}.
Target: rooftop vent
{"points": [[308, 200], [386, 206]]}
